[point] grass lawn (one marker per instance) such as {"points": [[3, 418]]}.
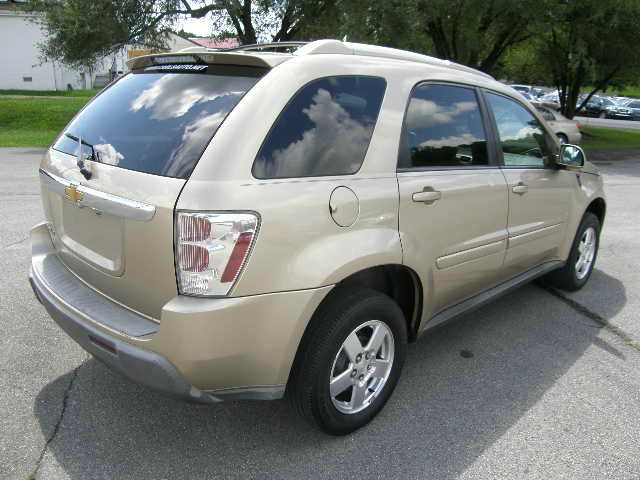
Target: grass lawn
{"points": [[35, 122], [632, 91], [52, 93], [598, 138]]}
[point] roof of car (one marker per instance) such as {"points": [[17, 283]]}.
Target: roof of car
{"points": [[272, 54]]}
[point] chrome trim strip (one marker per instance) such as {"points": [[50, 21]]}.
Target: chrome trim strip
{"points": [[457, 258], [101, 202], [517, 240]]}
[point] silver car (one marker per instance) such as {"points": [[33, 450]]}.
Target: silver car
{"points": [[567, 131]]}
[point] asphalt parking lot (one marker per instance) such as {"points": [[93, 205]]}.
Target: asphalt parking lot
{"points": [[552, 389]]}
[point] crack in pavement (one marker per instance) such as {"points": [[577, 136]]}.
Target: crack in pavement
{"points": [[18, 242], [597, 318], [56, 428]]}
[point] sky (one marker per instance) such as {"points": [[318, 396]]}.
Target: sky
{"points": [[199, 26]]}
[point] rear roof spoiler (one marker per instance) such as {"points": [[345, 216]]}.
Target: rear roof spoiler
{"points": [[209, 57]]}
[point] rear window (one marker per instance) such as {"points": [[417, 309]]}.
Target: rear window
{"points": [[324, 130], [158, 123]]}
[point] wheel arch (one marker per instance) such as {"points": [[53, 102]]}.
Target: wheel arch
{"points": [[598, 207], [397, 281]]}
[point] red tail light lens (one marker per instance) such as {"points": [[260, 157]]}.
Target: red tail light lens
{"points": [[211, 250], [237, 257]]}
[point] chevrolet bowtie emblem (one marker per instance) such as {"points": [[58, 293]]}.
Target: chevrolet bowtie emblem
{"points": [[73, 194]]}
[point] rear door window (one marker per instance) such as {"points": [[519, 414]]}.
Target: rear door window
{"points": [[443, 128], [160, 122], [324, 130]]}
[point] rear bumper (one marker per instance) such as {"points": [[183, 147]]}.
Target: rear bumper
{"points": [[575, 138], [203, 350], [142, 366]]}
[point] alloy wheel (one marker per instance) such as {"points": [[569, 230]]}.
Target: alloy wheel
{"points": [[361, 367], [586, 253]]}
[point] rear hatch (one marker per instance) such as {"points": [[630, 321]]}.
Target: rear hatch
{"points": [[110, 203]]}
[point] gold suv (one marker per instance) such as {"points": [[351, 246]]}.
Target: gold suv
{"points": [[283, 220]]}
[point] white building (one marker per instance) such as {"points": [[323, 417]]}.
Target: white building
{"points": [[22, 67]]}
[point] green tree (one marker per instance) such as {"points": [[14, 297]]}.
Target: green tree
{"points": [[81, 31], [589, 42], [472, 32], [475, 33]]}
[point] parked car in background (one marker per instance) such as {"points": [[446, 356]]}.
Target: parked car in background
{"points": [[522, 88], [596, 106], [630, 110], [567, 131], [551, 100], [533, 92], [620, 111]]}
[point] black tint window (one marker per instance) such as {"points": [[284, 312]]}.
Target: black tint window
{"points": [[524, 142], [546, 114], [158, 123], [443, 128], [324, 130]]}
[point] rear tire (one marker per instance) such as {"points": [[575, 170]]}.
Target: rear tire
{"points": [[582, 258], [349, 360], [563, 138]]}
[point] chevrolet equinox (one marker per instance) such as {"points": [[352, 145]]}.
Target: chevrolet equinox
{"points": [[281, 220]]}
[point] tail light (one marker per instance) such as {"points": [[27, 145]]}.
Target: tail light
{"points": [[211, 249]]}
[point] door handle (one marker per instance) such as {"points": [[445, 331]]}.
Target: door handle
{"points": [[520, 188], [427, 196]]}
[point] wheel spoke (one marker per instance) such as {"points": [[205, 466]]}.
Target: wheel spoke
{"points": [[340, 383], [377, 337], [381, 367], [352, 346], [358, 395]]}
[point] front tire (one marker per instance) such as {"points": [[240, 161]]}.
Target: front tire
{"points": [[349, 360], [576, 272]]}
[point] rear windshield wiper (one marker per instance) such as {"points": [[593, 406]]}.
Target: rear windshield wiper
{"points": [[84, 168]]}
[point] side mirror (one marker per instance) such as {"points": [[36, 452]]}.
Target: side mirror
{"points": [[571, 156]]}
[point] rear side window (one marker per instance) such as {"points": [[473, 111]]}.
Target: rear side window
{"points": [[443, 128], [324, 130], [158, 123]]}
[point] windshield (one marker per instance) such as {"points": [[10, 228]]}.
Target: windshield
{"points": [[157, 123]]}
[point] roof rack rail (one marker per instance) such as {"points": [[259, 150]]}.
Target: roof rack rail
{"points": [[348, 48], [266, 46], [338, 47]]}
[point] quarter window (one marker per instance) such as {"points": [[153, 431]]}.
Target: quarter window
{"points": [[443, 128], [523, 141], [324, 130]]}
